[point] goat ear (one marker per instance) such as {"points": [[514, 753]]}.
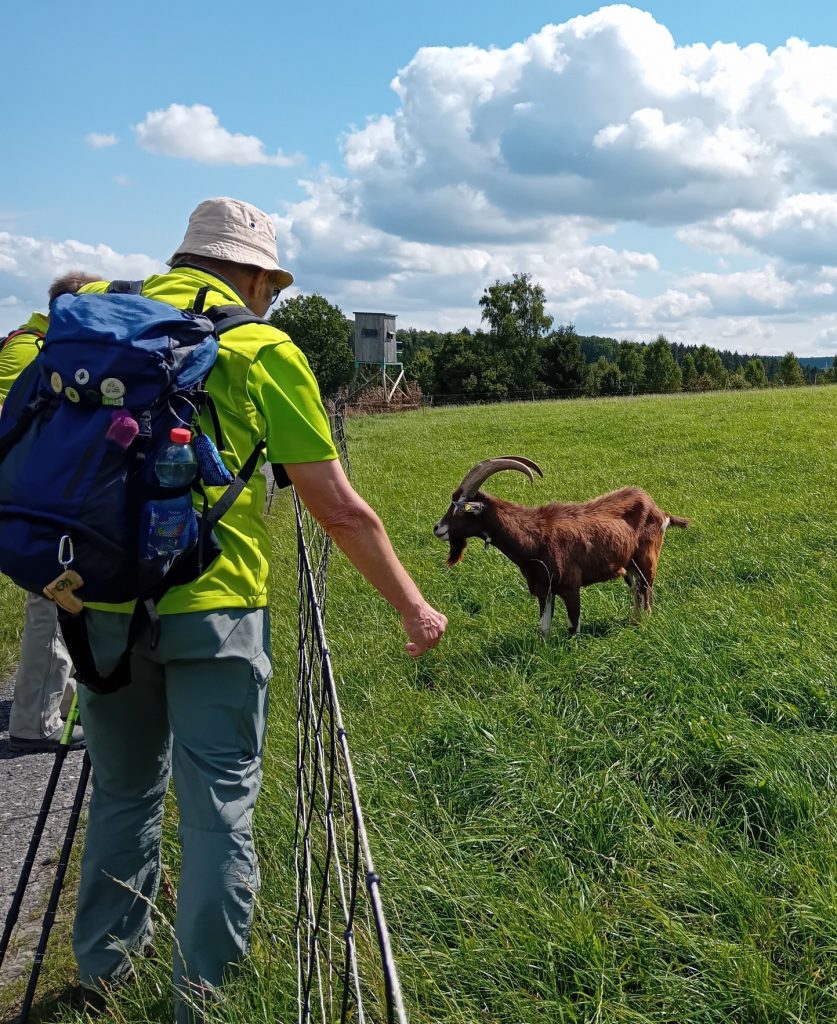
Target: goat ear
{"points": [[457, 550]]}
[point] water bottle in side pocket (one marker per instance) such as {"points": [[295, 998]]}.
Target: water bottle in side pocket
{"points": [[168, 525]]}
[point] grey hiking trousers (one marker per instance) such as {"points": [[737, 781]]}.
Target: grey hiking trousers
{"points": [[196, 709], [43, 673]]}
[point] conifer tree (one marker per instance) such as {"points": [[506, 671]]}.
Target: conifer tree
{"points": [[755, 374], [631, 366], [790, 371], [562, 364], [662, 374]]}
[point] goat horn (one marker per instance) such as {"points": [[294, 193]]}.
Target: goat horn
{"points": [[525, 461], [483, 470]]}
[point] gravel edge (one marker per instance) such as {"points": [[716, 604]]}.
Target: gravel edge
{"points": [[23, 780]]}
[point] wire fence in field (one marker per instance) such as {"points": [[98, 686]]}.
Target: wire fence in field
{"points": [[345, 967], [373, 401]]}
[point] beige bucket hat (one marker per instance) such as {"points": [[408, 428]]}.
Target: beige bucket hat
{"points": [[230, 229]]}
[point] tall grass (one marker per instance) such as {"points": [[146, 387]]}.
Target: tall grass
{"points": [[638, 824], [634, 826]]}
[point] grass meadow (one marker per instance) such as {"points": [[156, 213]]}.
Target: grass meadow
{"points": [[633, 826]]}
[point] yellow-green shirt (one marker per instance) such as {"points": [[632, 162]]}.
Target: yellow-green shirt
{"points": [[18, 353], [263, 388]]}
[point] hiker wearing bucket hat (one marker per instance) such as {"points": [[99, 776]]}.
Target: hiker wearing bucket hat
{"points": [[196, 707], [237, 242], [227, 229]]}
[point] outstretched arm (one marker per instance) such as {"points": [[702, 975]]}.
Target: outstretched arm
{"points": [[356, 529]]}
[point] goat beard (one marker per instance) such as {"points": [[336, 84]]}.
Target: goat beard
{"points": [[457, 550]]}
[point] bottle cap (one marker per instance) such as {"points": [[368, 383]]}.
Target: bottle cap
{"points": [[180, 435]]}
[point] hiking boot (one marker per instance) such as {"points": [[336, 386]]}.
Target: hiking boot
{"points": [[47, 744], [87, 1000]]}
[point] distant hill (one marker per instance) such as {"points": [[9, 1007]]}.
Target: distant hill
{"points": [[817, 362]]}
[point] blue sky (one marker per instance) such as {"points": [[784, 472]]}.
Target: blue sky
{"points": [[650, 180]]}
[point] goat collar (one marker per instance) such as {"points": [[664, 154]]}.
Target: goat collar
{"points": [[466, 505]]}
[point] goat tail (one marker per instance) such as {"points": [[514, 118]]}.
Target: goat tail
{"points": [[679, 521]]}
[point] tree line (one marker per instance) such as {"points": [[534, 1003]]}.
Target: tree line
{"points": [[518, 352]]}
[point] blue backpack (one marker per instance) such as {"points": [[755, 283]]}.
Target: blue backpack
{"points": [[80, 433]]}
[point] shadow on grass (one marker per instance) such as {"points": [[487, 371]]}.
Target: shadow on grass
{"points": [[532, 642], [524, 652], [425, 674], [597, 628], [141, 999], [470, 606], [50, 1007]]}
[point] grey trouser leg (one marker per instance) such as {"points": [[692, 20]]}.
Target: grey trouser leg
{"points": [[196, 707], [42, 675]]}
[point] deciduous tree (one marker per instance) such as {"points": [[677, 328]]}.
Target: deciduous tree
{"points": [[421, 368], [602, 378], [562, 364], [517, 322], [631, 366], [322, 332]]}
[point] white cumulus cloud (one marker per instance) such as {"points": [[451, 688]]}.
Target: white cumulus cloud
{"points": [[799, 228], [523, 158], [828, 336], [195, 133], [334, 250], [29, 265], [98, 140], [715, 167]]}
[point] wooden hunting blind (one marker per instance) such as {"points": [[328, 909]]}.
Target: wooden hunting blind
{"points": [[376, 353], [375, 338]]}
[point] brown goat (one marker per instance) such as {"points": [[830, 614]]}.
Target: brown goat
{"points": [[561, 548]]}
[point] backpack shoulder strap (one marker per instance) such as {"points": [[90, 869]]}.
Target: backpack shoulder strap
{"points": [[235, 488], [226, 318], [125, 287], [223, 318], [21, 330]]}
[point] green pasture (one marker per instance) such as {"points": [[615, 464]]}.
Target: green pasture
{"points": [[633, 826]]}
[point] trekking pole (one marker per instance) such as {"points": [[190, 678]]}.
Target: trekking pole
{"points": [[38, 831], [52, 906]]}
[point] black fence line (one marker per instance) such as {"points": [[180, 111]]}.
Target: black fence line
{"points": [[340, 975]]}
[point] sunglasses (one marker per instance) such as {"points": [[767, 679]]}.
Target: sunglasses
{"points": [[274, 295]]}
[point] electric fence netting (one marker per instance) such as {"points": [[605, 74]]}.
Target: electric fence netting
{"points": [[345, 967]]}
